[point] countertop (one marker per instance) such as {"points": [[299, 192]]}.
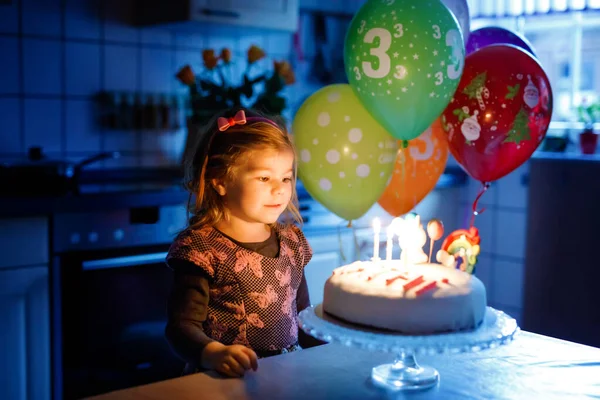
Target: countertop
{"points": [[129, 188], [566, 156], [531, 367]]}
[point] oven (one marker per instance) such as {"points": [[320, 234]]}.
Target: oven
{"points": [[109, 289]]}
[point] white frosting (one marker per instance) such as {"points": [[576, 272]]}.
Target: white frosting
{"points": [[376, 294]]}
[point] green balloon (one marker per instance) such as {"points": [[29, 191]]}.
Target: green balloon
{"points": [[404, 60], [345, 158]]}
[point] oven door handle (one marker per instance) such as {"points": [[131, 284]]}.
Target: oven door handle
{"points": [[121, 262]]}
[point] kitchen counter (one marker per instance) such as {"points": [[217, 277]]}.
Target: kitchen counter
{"points": [[531, 367], [547, 155], [130, 188]]}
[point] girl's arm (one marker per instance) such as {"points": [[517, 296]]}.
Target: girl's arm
{"points": [[187, 310], [302, 302]]}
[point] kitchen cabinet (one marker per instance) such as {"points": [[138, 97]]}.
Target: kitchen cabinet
{"points": [[561, 294], [265, 14], [333, 7], [24, 309], [23, 242], [331, 249], [25, 335]]}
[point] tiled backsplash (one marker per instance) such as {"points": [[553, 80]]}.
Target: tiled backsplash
{"points": [[58, 54]]}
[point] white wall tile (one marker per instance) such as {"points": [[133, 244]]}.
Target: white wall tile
{"points": [[42, 62], [489, 198], [486, 224], [511, 191], [9, 18], [511, 233], [440, 204], [278, 44], [82, 68], [188, 57], [150, 141], [10, 66], [10, 128], [158, 36], [245, 41], [218, 42], [43, 124], [508, 283], [42, 17], [189, 40], [484, 270], [82, 19], [120, 67], [83, 133], [117, 140], [157, 70]]}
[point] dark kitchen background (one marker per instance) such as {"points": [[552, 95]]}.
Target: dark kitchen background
{"points": [[82, 277]]}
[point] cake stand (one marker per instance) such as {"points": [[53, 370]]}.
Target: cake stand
{"points": [[405, 373]]}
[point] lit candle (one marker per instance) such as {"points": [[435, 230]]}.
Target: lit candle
{"points": [[376, 230], [390, 242]]}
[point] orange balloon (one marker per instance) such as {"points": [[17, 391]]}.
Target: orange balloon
{"points": [[417, 170]]}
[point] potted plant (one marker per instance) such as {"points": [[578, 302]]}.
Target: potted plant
{"points": [[588, 113], [211, 91]]}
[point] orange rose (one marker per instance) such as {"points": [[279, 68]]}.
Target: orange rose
{"points": [[226, 55], [255, 53], [285, 70], [210, 60], [186, 75]]}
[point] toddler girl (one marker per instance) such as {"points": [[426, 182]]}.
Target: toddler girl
{"points": [[239, 273]]}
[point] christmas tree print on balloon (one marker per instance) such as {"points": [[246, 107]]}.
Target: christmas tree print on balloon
{"points": [[520, 129], [477, 90], [512, 91]]}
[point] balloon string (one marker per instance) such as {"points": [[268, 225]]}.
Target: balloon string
{"points": [[341, 244], [403, 163], [356, 244], [476, 212]]}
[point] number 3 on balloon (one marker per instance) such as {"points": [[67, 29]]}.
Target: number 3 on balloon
{"points": [[385, 40], [454, 40], [357, 73], [429, 147]]}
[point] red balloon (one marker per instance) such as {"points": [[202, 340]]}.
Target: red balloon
{"points": [[500, 111]]}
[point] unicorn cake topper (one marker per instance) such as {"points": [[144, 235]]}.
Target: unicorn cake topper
{"points": [[411, 238]]}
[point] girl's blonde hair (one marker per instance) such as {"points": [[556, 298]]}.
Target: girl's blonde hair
{"points": [[216, 155]]}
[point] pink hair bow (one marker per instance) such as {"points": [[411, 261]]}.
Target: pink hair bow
{"points": [[238, 119]]}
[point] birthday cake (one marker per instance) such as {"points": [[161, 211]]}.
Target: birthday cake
{"points": [[411, 295]]}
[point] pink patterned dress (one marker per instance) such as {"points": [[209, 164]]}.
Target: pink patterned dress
{"points": [[252, 297]]}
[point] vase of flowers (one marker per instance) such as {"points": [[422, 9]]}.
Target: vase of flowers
{"points": [[211, 91], [588, 113]]}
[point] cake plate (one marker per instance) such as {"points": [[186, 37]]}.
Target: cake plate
{"points": [[405, 373]]}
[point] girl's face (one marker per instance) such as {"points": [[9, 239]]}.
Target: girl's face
{"points": [[261, 187]]}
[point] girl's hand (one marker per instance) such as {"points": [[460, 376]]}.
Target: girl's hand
{"points": [[232, 360]]}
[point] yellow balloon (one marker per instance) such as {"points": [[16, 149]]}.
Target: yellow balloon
{"points": [[345, 158]]}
